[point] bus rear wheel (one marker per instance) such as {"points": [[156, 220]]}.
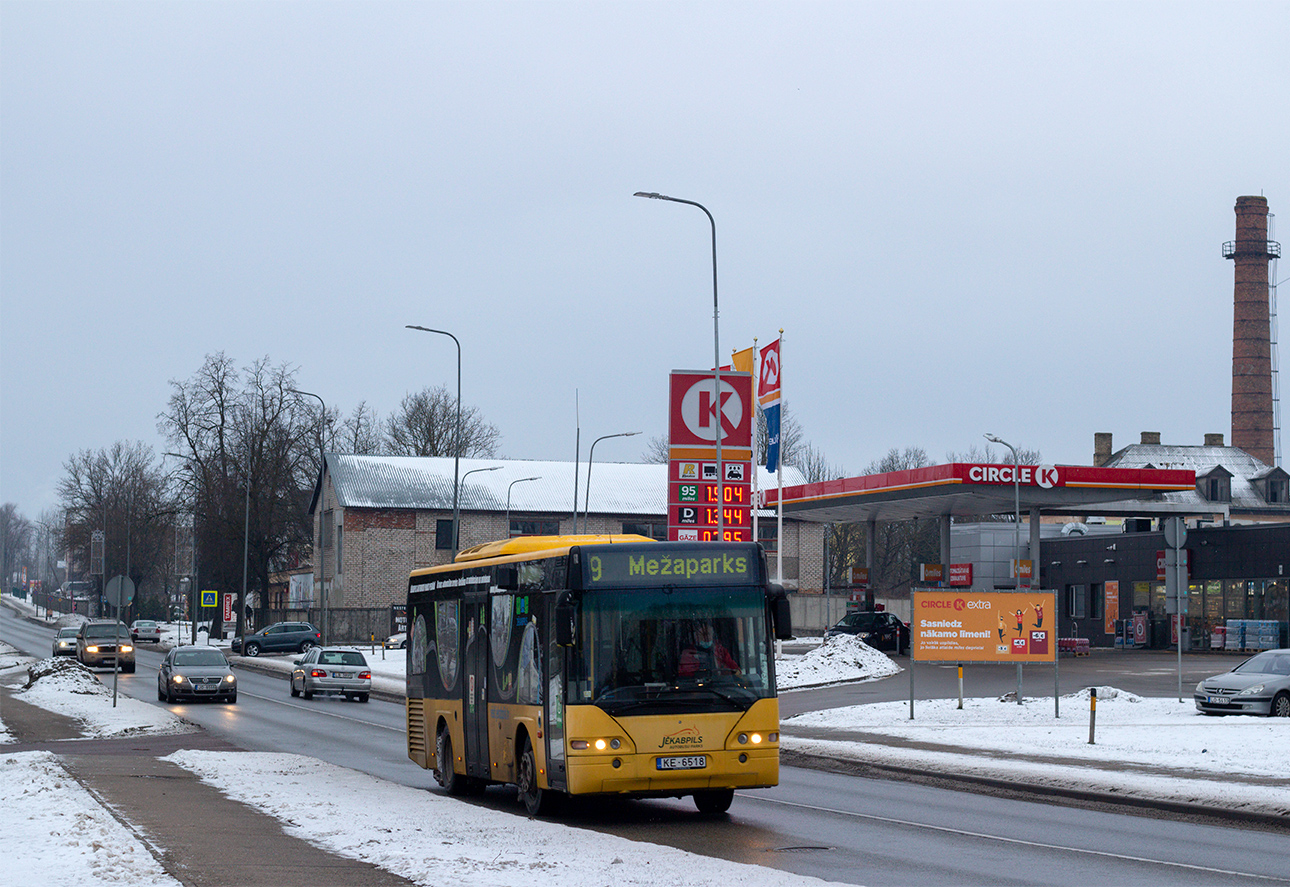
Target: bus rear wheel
{"points": [[443, 769], [537, 801], [714, 801]]}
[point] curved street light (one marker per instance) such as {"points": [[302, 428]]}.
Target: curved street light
{"points": [[508, 500], [456, 448], [586, 502], [456, 531], [716, 356], [1016, 526], [322, 468]]}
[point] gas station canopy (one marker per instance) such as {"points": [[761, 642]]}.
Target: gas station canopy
{"points": [[964, 489]]}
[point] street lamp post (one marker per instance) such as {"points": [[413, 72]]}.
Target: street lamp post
{"points": [[456, 449], [1016, 527], [716, 357], [193, 593], [586, 507], [455, 531], [508, 500], [322, 468]]}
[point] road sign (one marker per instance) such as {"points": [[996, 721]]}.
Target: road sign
{"points": [[119, 591], [210, 598]]}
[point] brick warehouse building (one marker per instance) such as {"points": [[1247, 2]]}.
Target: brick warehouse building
{"points": [[383, 516]]}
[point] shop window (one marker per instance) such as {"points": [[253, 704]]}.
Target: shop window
{"points": [[534, 528], [656, 530], [768, 536], [443, 535], [1095, 601], [1077, 601]]}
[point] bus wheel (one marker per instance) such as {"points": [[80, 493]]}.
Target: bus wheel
{"points": [[714, 801], [443, 771], [536, 800]]}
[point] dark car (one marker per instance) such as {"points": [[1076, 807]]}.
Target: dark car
{"points": [[196, 672], [332, 670], [280, 637], [101, 643], [879, 629], [1258, 686]]}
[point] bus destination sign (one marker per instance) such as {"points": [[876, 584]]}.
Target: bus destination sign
{"points": [[623, 566]]}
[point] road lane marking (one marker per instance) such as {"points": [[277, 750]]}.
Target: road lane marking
{"points": [[315, 709], [1018, 841]]}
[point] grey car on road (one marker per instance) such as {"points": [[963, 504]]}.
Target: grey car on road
{"points": [[195, 672], [332, 670], [1258, 686]]}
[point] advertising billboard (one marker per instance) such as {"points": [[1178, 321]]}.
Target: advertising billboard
{"points": [[967, 626]]}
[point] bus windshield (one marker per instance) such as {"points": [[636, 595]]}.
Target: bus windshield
{"points": [[672, 650]]}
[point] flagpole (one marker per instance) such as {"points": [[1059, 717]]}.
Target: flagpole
{"points": [[756, 496], [779, 473]]}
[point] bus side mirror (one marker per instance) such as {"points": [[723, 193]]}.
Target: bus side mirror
{"points": [[783, 620], [566, 622], [781, 612]]}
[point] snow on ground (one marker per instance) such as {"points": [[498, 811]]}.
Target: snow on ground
{"points": [[57, 834], [65, 686], [430, 838], [1153, 748], [841, 658]]}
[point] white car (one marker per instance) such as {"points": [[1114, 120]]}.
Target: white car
{"points": [[396, 641], [145, 630]]}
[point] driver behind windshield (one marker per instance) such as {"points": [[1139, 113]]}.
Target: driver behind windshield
{"points": [[705, 655]]}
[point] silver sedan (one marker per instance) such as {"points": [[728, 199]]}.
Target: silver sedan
{"points": [[332, 670], [1258, 686]]}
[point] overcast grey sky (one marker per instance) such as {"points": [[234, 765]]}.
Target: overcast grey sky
{"points": [[967, 217]]}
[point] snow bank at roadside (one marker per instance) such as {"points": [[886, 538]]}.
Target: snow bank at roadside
{"points": [[840, 658], [68, 688]]}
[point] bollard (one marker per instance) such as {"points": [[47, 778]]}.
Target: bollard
{"points": [[960, 686], [1092, 712]]}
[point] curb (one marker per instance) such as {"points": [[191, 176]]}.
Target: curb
{"points": [[931, 776]]}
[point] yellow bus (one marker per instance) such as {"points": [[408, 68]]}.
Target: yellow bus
{"points": [[597, 665]]}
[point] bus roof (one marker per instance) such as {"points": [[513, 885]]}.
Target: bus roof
{"points": [[525, 547]]}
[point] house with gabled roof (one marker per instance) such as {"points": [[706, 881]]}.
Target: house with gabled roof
{"points": [[377, 518]]}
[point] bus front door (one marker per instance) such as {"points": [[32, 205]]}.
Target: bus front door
{"points": [[475, 686]]}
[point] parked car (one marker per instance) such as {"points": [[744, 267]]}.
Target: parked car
{"points": [[1258, 686], [280, 637], [879, 629], [65, 641], [195, 672], [145, 630], [397, 641], [103, 642], [332, 670]]}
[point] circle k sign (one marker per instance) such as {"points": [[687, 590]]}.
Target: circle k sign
{"points": [[696, 413]]}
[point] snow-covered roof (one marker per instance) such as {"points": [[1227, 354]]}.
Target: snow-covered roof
{"points": [[426, 482], [1247, 495]]}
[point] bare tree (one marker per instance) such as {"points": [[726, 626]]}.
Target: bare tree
{"points": [[656, 450], [251, 448], [361, 432], [15, 540], [898, 546], [122, 490], [425, 424]]}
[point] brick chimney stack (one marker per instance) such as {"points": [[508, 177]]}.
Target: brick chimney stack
{"points": [[1251, 336]]}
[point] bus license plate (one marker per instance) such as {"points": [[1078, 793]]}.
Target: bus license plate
{"points": [[689, 762]]}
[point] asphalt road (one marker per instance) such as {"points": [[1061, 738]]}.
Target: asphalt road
{"points": [[833, 826]]}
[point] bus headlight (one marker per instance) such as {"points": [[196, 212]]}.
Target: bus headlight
{"points": [[756, 739], [600, 745]]}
